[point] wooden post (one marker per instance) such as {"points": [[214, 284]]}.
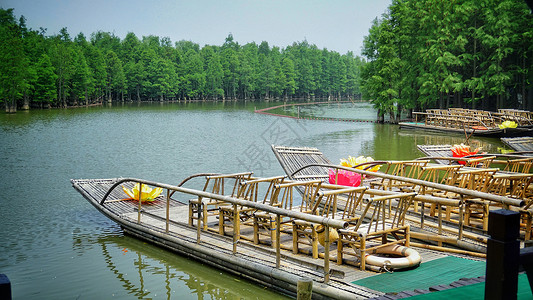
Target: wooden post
{"points": [[236, 227], [503, 255], [326, 254], [5, 287], [278, 240], [140, 197], [304, 289], [168, 211], [198, 222]]}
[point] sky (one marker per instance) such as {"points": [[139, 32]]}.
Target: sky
{"points": [[337, 25]]}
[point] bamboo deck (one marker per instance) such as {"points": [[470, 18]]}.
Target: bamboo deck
{"points": [[520, 144], [255, 262]]}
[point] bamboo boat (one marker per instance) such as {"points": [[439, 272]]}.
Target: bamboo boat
{"points": [[472, 122], [222, 226]]}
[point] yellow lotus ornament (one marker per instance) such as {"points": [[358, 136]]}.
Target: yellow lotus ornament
{"points": [[507, 124], [147, 194], [351, 162]]}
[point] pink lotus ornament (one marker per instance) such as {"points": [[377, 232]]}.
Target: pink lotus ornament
{"points": [[344, 177]]}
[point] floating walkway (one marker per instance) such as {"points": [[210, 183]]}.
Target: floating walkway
{"points": [[264, 111]]}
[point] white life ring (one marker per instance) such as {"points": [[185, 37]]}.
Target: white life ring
{"points": [[409, 257]]}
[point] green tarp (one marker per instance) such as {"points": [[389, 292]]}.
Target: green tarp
{"points": [[439, 271], [477, 291]]}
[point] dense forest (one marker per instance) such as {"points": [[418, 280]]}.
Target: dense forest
{"points": [[58, 71], [419, 54], [457, 53]]}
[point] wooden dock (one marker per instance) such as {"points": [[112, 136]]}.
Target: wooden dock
{"points": [[169, 223]]}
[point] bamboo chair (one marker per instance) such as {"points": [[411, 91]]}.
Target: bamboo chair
{"points": [[481, 162], [474, 179], [512, 185], [410, 169], [306, 233], [265, 223], [478, 180], [374, 227], [522, 165], [215, 184], [259, 190], [442, 174]]}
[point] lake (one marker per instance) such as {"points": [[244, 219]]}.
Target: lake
{"points": [[55, 245]]}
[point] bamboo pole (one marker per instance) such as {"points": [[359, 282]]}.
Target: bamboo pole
{"points": [[260, 206], [139, 208], [278, 241], [326, 254], [167, 212], [453, 189]]}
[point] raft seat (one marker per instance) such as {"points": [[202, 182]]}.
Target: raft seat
{"points": [[327, 205], [380, 224], [265, 223], [215, 184], [232, 217]]}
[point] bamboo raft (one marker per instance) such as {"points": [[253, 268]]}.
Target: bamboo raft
{"points": [[520, 144], [471, 122], [212, 227]]}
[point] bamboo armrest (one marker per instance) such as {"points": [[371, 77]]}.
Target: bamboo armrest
{"points": [[441, 167], [512, 176], [469, 160], [342, 191], [228, 175], [398, 195], [477, 201], [263, 179], [296, 183], [478, 171]]}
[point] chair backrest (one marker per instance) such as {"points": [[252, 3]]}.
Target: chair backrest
{"points": [[377, 217], [476, 179], [329, 201], [409, 168], [217, 184], [514, 185], [522, 165], [439, 174], [482, 162], [283, 195], [259, 190]]}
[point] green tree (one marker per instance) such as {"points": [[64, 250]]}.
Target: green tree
{"points": [[14, 65], [45, 86]]}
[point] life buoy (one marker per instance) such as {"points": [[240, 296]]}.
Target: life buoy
{"points": [[480, 128], [409, 257], [333, 234]]}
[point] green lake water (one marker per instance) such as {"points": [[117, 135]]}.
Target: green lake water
{"points": [[55, 245]]}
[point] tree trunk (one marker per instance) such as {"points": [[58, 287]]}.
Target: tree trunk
{"points": [[26, 104]]}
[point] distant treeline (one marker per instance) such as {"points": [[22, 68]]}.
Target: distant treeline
{"points": [[459, 53], [42, 71]]}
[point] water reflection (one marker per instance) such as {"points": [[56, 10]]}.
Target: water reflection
{"points": [[147, 271]]}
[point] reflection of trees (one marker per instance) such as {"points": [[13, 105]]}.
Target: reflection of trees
{"points": [[150, 261], [391, 143]]}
